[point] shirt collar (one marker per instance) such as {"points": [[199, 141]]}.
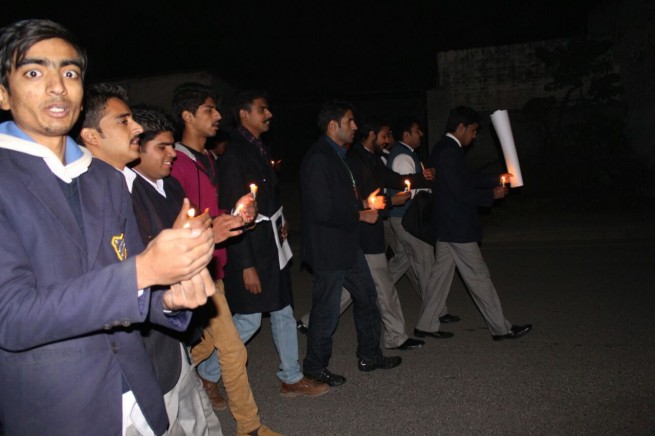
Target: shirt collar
{"points": [[78, 159], [406, 146], [450, 135], [129, 175], [341, 151], [158, 184]]}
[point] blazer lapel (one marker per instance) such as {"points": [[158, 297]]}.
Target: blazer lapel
{"points": [[93, 195], [39, 180]]}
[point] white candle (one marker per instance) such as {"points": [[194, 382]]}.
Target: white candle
{"points": [[408, 185], [253, 190]]}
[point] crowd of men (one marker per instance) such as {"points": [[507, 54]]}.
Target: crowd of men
{"points": [[135, 267]]}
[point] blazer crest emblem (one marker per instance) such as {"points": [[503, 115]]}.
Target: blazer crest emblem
{"points": [[118, 244]]}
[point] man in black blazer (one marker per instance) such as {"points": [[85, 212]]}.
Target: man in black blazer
{"points": [[459, 191], [332, 210], [254, 281]]}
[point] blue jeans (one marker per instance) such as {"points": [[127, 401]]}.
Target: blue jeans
{"points": [[285, 336], [324, 316]]}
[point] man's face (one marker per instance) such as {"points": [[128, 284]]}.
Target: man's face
{"points": [[206, 120], [118, 135], [45, 91], [157, 156], [258, 119], [383, 139], [346, 129], [413, 137], [467, 134]]}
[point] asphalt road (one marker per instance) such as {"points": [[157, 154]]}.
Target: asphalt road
{"points": [[586, 368]]}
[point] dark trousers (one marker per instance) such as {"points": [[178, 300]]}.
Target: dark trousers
{"points": [[324, 316]]}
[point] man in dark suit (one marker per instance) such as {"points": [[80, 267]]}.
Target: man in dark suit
{"points": [[254, 281], [460, 190], [333, 207], [74, 277]]}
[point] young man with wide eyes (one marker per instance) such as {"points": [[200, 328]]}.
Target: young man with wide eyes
{"points": [[74, 277]]}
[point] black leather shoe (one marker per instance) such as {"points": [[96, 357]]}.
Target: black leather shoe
{"points": [[384, 362], [327, 377], [448, 318], [436, 335], [514, 333], [302, 328], [409, 344]]}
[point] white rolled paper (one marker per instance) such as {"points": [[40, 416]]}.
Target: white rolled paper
{"points": [[500, 120]]}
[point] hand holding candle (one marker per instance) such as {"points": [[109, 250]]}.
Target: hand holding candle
{"points": [[505, 179], [247, 208], [188, 217], [376, 201]]}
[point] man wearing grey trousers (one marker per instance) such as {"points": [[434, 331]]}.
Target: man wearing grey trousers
{"points": [[459, 191]]}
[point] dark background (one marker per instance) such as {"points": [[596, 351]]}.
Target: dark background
{"points": [[299, 50]]}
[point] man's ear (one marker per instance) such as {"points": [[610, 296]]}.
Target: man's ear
{"points": [[332, 125], [243, 114], [4, 98], [89, 136], [187, 116], [371, 135]]}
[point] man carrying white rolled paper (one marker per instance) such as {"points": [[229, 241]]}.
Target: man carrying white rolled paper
{"points": [[458, 193]]}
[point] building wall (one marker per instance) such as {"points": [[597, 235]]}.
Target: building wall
{"points": [[490, 78]]}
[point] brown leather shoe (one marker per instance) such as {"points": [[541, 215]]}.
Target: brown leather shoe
{"points": [[304, 386], [261, 431], [215, 398]]}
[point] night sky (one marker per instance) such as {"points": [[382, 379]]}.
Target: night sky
{"points": [[299, 50]]}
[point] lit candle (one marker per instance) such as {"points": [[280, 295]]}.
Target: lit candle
{"points": [[408, 185], [371, 201], [253, 190], [502, 181], [238, 210], [191, 213]]}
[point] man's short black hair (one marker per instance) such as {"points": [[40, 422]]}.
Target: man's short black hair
{"points": [[373, 125], [461, 115], [16, 39], [190, 96], [95, 101], [153, 120], [333, 110]]}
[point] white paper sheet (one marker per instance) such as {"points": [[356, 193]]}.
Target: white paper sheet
{"points": [[283, 248], [500, 120]]}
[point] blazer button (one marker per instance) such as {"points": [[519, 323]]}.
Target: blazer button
{"points": [[106, 327], [115, 347], [126, 323]]}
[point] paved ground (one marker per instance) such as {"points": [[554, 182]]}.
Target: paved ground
{"points": [[585, 281]]}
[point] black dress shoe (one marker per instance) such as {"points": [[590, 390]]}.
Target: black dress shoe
{"points": [[448, 318], [327, 377], [302, 328], [384, 362], [514, 333], [409, 344], [436, 335]]}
